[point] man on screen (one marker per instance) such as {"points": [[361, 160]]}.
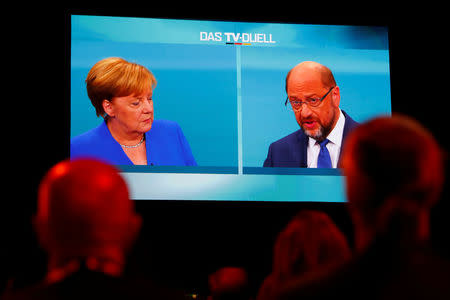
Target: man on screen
{"points": [[314, 98]]}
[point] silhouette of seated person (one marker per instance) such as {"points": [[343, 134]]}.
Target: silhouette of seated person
{"points": [[394, 173], [229, 283], [86, 223], [310, 243]]}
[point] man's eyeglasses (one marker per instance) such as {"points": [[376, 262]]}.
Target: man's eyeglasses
{"points": [[312, 102]]}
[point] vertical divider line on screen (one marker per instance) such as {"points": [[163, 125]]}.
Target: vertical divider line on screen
{"points": [[239, 108]]}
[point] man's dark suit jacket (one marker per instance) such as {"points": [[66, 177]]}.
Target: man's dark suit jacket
{"points": [[290, 151]]}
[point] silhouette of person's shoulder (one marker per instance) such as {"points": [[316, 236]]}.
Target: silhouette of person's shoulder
{"points": [[86, 284], [381, 272]]}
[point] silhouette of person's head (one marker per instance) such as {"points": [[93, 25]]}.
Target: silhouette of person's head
{"points": [[84, 212], [229, 283], [310, 241], [393, 171], [310, 244]]}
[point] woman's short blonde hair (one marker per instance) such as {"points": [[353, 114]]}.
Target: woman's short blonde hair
{"points": [[116, 77]]}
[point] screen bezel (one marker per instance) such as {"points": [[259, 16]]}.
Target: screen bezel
{"points": [[284, 20]]}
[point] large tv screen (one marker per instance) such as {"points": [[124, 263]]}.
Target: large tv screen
{"points": [[222, 86]]}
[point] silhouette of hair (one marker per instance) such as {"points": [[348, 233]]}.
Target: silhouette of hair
{"points": [[229, 283], [310, 240], [392, 163], [83, 203]]}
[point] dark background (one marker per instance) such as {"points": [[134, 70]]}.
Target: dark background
{"points": [[181, 242]]}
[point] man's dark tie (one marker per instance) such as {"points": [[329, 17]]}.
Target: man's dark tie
{"points": [[324, 159]]}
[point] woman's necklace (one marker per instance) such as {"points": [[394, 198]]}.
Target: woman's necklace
{"points": [[134, 146]]}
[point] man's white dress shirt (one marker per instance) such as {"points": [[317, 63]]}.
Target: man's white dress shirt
{"points": [[334, 146]]}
